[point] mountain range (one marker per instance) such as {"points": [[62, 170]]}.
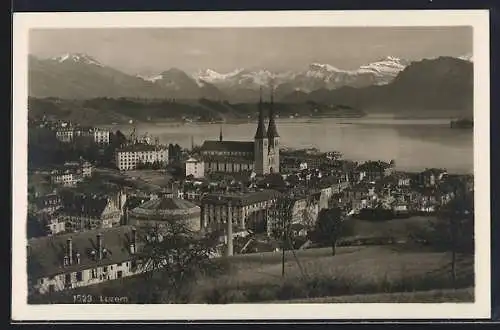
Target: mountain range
{"points": [[389, 83]]}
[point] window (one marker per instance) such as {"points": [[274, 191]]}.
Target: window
{"points": [[79, 276], [105, 269], [67, 278], [94, 273]]}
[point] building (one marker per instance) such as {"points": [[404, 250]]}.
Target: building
{"points": [[65, 134], [195, 168], [53, 224], [131, 156], [302, 213], [101, 136], [161, 210], [82, 212], [65, 177], [431, 177], [71, 173], [262, 155], [374, 170], [48, 203], [248, 210], [71, 133], [76, 260]]}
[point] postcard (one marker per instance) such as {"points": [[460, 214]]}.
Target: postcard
{"points": [[251, 165]]}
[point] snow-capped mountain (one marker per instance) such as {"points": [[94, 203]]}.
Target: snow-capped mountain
{"points": [[467, 57], [150, 78], [316, 76], [76, 58]]}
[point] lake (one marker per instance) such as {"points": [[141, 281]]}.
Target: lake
{"points": [[415, 144]]}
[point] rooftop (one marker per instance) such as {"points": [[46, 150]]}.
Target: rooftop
{"points": [[141, 147], [235, 146], [243, 198], [167, 207], [46, 254]]}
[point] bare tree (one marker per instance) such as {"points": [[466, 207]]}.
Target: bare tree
{"points": [[454, 229], [281, 216], [172, 258]]}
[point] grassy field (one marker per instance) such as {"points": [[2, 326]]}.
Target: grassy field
{"points": [[431, 296], [396, 228], [357, 272], [359, 264]]}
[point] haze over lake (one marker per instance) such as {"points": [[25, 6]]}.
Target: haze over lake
{"points": [[415, 144]]}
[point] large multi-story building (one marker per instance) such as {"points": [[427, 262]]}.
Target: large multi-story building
{"points": [[261, 156], [82, 212], [71, 173], [71, 133], [248, 210], [101, 136], [129, 157], [195, 167], [75, 260]]}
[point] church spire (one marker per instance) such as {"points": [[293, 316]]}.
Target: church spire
{"points": [[220, 134], [261, 129], [272, 131]]}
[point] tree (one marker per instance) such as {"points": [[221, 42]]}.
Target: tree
{"points": [[330, 227], [173, 257], [454, 229]]}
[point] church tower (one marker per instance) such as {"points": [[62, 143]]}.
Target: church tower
{"points": [[273, 150], [260, 144]]}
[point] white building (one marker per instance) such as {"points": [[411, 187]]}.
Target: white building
{"points": [[69, 133], [128, 157], [65, 134], [101, 136], [67, 178], [69, 261], [195, 168]]}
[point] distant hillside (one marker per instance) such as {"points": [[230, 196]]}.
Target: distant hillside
{"points": [[79, 76], [120, 110], [444, 84]]}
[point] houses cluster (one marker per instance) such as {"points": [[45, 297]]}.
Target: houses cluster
{"points": [[69, 132], [403, 193], [70, 173]]}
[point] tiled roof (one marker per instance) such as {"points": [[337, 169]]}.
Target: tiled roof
{"points": [[82, 204], [229, 159], [373, 166], [239, 199], [46, 254], [241, 146], [166, 207], [141, 147]]}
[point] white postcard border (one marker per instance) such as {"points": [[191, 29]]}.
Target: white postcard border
{"points": [[478, 19]]}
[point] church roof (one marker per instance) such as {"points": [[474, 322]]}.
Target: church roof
{"points": [[272, 131], [261, 128], [241, 146]]}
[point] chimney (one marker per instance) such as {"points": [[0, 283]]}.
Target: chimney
{"points": [[77, 258], [99, 246], [69, 250], [229, 230], [133, 241]]}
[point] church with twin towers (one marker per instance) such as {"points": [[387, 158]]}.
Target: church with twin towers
{"points": [[262, 155]]}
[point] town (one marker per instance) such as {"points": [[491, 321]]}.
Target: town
{"points": [[92, 190]]}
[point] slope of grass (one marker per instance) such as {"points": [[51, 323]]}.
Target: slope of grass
{"points": [[354, 272], [431, 296]]}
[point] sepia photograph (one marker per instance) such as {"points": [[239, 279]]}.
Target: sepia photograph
{"points": [[265, 164]]}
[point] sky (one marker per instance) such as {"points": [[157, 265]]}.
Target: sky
{"points": [[153, 50]]}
